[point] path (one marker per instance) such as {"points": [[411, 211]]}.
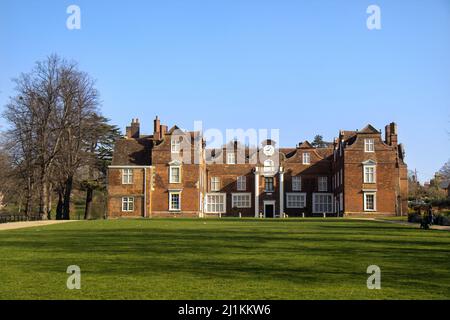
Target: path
{"points": [[28, 224], [434, 227]]}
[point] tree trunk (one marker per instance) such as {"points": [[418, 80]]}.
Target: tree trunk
{"points": [[43, 198], [29, 196], [59, 206], [49, 202], [67, 193], [89, 197]]}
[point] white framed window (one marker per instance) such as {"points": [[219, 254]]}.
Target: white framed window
{"points": [[174, 200], [231, 158], [242, 183], [127, 176], [322, 203], [341, 177], [174, 174], [370, 201], [241, 200], [296, 183], [216, 203], [127, 204], [306, 158], [215, 184], [295, 200], [341, 201], [175, 145], [268, 184], [369, 145], [369, 174], [322, 184]]}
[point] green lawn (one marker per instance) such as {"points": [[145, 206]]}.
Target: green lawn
{"points": [[395, 218], [225, 259]]}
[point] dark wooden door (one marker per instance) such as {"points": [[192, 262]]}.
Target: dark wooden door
{"points": [[270, 210]]}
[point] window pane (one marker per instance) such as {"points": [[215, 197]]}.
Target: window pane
{"points": [[269, 184], [296, 183], [175, 201]]}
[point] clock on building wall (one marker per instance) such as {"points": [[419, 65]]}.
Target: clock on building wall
{"points": [[269, 150]]}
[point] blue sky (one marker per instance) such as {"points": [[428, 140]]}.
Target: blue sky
{"points": [[305, 67]]}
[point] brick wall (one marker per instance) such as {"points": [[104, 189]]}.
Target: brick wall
{"points": [[391, 177]]}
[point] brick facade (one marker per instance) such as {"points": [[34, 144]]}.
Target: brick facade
{"points": [[361, 172]]}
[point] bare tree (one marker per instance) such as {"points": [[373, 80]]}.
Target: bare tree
{"points": [[52, 120]]}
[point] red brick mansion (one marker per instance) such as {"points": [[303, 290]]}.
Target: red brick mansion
{"points": [[168, 174]]}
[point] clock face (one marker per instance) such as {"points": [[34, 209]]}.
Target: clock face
{"points": [[269, 150]]}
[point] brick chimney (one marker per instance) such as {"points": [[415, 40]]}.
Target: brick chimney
{"points": [[163, 131], [157, 129], [391, 137], [133, 129], [394, 137]]}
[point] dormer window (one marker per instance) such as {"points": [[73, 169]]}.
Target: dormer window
{"points": [[306, 158], [369, 145], [231, 158], [175, 145]]}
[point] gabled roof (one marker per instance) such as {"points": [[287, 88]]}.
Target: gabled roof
{"points": [[305, 145], [325, 152], [369, 129], [132, 152], [288, 152], [347, 135], [173, 129]]}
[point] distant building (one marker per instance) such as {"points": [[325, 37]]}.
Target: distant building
{"points": [[447, 188], [360, 172]]}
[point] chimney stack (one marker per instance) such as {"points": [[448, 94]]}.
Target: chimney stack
{"points": [[163, 131], [133, 130], [157, 129], [387, 134], [391, 137]]}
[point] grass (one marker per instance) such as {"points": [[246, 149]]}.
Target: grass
{"points": [[225, 259]]}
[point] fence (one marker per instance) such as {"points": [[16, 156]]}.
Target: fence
{"points": [[17, 217]]}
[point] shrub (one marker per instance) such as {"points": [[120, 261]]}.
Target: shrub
{"points": [[442, 220], [414, 217], [441, 203]]}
